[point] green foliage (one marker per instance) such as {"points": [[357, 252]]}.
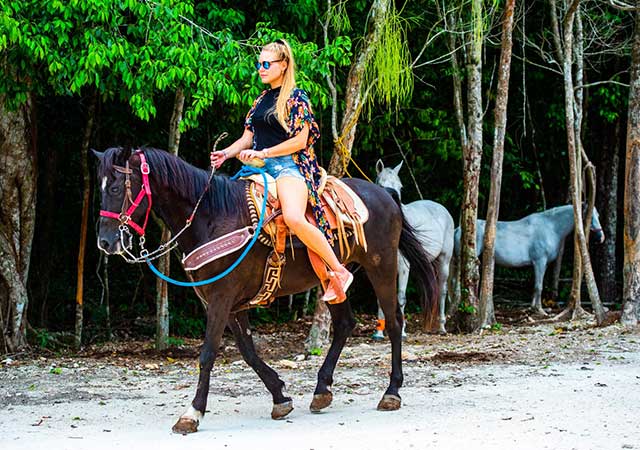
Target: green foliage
{"points": [[466, 308], [315, 351], [271, 315], [133, 51], [43, 338], [182, 324], [388, 71], [611, 99], [174, 341], [338, 17]]}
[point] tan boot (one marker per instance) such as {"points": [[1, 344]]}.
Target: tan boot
{"points": [[339, 282]]}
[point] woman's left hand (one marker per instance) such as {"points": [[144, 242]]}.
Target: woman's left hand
{"points": [[247, 155]]}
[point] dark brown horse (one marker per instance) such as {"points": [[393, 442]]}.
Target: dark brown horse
{"points": [[176, 186]]}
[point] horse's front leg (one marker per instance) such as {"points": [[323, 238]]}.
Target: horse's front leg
{"points": [[343, 324], [217, 314], [282, 403]]}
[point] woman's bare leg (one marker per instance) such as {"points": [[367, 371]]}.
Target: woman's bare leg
{"points": [[293, 195]]}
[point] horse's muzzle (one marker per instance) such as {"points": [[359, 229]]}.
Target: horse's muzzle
{"points": [[110, 248], [598, 236]]}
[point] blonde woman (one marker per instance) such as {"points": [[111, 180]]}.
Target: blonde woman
{"points": [[281, 130]]}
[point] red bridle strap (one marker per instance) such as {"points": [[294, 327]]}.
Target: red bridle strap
{"points": [[145, 191]]}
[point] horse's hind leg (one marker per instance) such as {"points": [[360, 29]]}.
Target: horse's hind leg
{"points": [[443, 278], [403, 281], [383, 280], [343, 324], [539, 267], [282, 404]]}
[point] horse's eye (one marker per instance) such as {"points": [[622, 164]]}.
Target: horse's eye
{"points": [[114, 189]]}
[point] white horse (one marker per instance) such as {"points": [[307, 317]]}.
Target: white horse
{"points": [[534, 240], [434, 229]]}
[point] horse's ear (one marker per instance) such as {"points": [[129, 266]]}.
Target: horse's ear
{"points": [[98, 154], [397, 168], [379, 166]]}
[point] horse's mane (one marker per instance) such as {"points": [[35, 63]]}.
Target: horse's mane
{"points": [[224, 197]]}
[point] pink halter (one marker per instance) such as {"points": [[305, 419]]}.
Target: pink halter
{"points": [[125, 215]]}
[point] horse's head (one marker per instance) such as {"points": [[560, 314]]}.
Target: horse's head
{"points": [[125, 198], [389, 178], [596, 228]]}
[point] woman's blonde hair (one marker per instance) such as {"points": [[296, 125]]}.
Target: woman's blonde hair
{"points": [[282, 50]]}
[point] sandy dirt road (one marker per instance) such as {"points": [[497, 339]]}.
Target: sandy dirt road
{"points": [[541, 389]]}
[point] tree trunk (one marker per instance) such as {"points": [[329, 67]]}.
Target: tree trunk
{"points": [[574, 155], [631, 265], [557, 268], [162, 289], [320, 326], [449, 21], [450, 24], [17, 219], [354, 93], [354, 96], [86, 194], [472, 155], [487, 312], [608, 201], [575, 305]]}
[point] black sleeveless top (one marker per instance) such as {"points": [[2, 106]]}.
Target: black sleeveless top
{"points": [[267, 131]]}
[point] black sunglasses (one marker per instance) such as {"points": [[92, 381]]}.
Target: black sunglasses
{"points": [[265, 64]]}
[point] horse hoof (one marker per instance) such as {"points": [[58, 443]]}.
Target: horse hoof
{"points": [[320, 402], [280, 411], [185, 426], [389, 403], [538, 312]]}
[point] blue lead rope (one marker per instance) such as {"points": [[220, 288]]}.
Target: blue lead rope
{"points": [[243, 172]]}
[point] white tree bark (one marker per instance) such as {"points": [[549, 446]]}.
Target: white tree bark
{"points": [[487, 312], [471, 158], [631, 266]]}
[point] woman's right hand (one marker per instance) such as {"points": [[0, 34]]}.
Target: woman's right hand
{"points": [[217, 158]]}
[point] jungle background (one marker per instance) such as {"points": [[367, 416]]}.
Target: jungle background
{"points": [[102, 73]]}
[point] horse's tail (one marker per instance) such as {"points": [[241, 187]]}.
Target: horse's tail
{"points": [[422, 266]]}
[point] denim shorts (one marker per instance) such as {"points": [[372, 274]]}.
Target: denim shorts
{"points": [[282, 166]]}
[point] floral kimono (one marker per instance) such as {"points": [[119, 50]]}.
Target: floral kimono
{"points": [[300, 113]]}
